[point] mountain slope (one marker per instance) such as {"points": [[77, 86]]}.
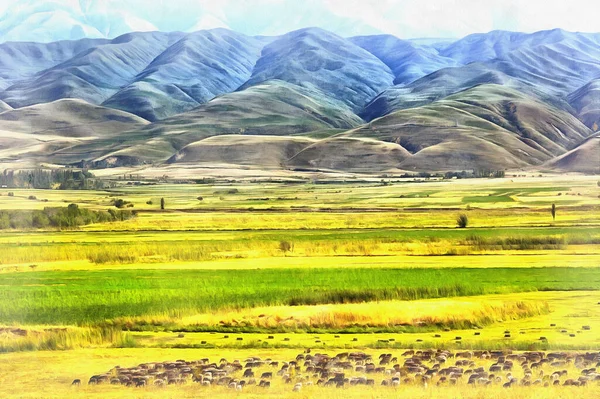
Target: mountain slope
{"points": [[434, 87], [257, 151], [4, 106], [586, 102], [355, 154], [407, 60], [272, 108], [547, 64], [318, 59], [192, 71], [20, 60], [489, 126], [583, 159], [49, 133], [92, 75], [71, 118]]}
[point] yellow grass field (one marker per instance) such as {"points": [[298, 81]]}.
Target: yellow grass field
{"points": [[272, 270]]}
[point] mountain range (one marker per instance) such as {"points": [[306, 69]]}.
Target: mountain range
{"points": [[305, 100]]}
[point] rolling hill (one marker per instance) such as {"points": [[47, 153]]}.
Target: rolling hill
{"points": [[242, 150], [4, 106], [407, 60], [306, 100], [583, 159], [586, 102], [92, 75], [547, 64], [272, 108], [23, 60], [48, 133], [317, 59], [194, 70], [354, 154], [488, 126]]}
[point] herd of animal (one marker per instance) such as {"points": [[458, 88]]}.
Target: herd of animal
{"points": [[349, 369]]}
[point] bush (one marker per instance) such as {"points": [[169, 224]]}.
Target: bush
{"points": [[121, 203], [32, 197], [200, 199], [462, 221], [11, 194]]}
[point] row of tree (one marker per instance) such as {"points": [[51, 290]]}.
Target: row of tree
{"points": [[63, 179], [475, 174], [61, 218]]}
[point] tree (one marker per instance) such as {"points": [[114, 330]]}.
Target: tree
{"points": [[120, 203], [462, 221], [162, 203], [553, 211]]}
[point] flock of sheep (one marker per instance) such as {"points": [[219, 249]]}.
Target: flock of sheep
{"points": [[422, 367]]}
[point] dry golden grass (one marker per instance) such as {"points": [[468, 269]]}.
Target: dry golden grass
{"points": [[468, 311]]}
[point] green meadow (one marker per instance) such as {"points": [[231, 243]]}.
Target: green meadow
{"points": [[272, 266]]}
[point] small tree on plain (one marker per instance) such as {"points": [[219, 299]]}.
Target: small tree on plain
{"points": [[462, 221], [162, 203], [553, 211]]}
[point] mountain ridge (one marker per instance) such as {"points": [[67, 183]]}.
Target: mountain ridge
{"points": [[364, 104]]}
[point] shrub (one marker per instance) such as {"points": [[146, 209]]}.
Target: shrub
{"points": [[32, 197], [120, 203], [11, 194], [462, 221]]}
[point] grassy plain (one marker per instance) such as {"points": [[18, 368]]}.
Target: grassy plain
{"points": [[54, 371], [355, 264]]}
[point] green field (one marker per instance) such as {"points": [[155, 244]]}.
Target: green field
{"points": [[324, 265]]}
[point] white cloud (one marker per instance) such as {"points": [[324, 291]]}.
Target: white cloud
{"points": [[403, 18]]}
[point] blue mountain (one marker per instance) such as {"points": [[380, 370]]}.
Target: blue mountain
{"points": [[318, 59]]}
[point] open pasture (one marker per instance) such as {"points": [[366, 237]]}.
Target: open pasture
{"points": [[56, 297], [273, 269], [54, 373]]}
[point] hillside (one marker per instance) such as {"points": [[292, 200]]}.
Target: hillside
{"points": [[408, 61], [23, 60], [583, 159], [586, 102], [548, 65], [317, 101], [92, 75], [352, 154], [489, 126], [242, 150], [194, 70], [317, 59], [271, 108], [433, 87], [4, 106], [50, 132]]}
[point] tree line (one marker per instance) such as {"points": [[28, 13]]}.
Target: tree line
{"points": [[61, 218], [63, 179]]}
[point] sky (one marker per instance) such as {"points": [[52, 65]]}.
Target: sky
{"points": [[47, 20]]}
